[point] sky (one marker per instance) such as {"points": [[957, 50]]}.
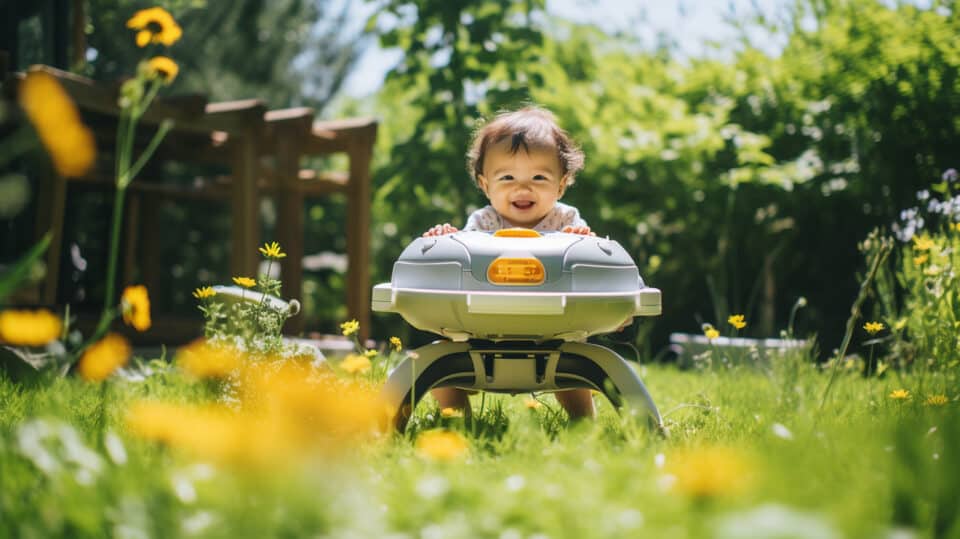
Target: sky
{"points": [[689, 22]]}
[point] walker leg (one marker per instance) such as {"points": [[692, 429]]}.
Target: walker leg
{"points": [[422, 370], [627, 386]]}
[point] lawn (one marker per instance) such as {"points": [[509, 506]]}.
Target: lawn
{"points": [[751, 452]]}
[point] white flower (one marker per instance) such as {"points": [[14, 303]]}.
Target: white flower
{"points": [[781, 431], [515, 483], [774, 522], [432, 486]]}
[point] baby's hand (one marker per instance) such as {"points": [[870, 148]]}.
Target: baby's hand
{"points": [[440, 230], [584, 230]]}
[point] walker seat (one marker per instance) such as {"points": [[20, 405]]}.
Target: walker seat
{"points": [[515, 305]]}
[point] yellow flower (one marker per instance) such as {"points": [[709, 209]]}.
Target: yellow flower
{"points": [[370, 354], [356, 364], [204, 292], [29, 328], [532, 404], [882, 367], [900, 394], [103, 357], [711, 332], [349, 328], [161, 66], [737, 321], [441, 444], [708, 471], [900, 324], [204, 360], [69, 142], [922, 243], [272, 250], [449, 413], [396, 344], [873, 327], [245, 282], [920, 260], [155, 25], [136, 307], [936, 400]]}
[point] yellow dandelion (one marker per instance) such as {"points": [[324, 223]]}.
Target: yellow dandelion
{"points": [[439, 444], [163, 67], [29, 328], [900, 324], [204, 292], [103, 357], [923, 243], [711, 332], [396, 343], [350, 327], [899, 394], [936, 400], [245, 282], [873, 327], [532, 404], [136, 307], [920, 260], [449, 413], [737, 321], [204, 360], [155, 25], [370, 353], [356, 364], [69, 142], [272, 250], [709, 471]]}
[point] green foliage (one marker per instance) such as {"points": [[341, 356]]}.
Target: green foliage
{"points": [[237, 50], [249, 319], [918, 292], [738, 185]]}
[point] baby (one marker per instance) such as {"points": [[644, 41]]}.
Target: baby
{"points": [[523, 162]]}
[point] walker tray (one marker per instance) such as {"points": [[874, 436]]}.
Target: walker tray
{"points": [[516, 284]]}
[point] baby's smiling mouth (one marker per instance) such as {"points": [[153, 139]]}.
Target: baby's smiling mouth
{"points": [[523, 204]]}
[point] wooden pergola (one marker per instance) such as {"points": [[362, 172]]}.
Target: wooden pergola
{"points": [[264, 151]]}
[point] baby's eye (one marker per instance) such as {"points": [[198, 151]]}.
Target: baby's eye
{"points": [[506, 177], [541, 177]]}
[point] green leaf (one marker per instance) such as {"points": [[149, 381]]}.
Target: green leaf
{"points": [[17, 273]]}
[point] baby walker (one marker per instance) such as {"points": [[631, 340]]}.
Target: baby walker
{"points": [[516, 306]]}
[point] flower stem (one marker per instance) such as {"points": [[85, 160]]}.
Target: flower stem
{"points": [[878, 258]]}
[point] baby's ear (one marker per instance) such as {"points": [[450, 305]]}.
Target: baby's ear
{"points": [[482, 182], [564, 181]]}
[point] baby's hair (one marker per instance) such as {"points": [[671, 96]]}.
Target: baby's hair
{"points": [[529, 127]]}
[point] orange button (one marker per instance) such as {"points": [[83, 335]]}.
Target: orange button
{"points": [[516, 271]]}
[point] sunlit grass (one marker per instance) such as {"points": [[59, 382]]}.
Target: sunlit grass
{"points": [[747, 447]]}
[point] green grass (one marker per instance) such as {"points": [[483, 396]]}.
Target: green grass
{"points": [[863, 465]]}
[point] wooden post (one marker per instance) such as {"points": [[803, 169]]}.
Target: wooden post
{"points": [[360, 150], [50, 219], [245, 210], [290, 220]]}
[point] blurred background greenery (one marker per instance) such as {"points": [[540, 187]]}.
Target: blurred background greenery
{"points": [[739, 177]]}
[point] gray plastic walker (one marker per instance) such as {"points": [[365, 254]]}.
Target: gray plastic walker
{"points": [[515, 306]]}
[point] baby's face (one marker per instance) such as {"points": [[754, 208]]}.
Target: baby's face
{"points": [[523, 186]]}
